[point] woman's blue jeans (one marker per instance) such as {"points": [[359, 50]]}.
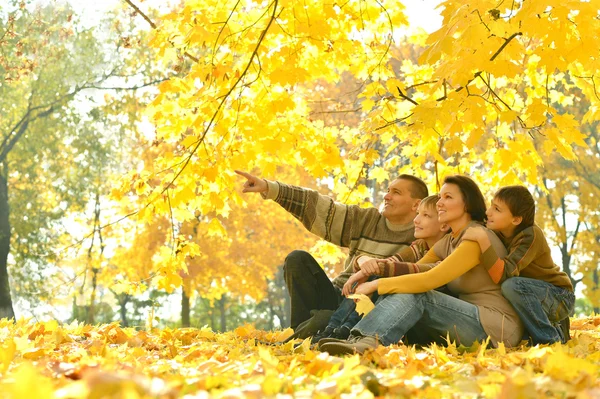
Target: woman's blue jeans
{"points": [[437, 314]]}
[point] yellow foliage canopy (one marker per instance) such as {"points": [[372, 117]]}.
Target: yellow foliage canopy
{"points": [[485, 96]]}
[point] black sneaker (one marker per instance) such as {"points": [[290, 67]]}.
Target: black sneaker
{"points": [[342, 332], [327, 333]]}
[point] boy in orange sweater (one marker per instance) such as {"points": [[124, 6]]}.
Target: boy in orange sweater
{"points": [[539, 291]]}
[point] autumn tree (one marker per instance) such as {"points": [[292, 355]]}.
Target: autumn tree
{"points": [[568, 211], [243, 265], [52, 153], [479, 100]]}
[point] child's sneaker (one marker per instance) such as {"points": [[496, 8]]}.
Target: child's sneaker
{"points": [[342, 332], [327, 333]]}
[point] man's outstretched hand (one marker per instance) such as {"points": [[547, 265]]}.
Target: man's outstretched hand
{"points": [[253, 184]]}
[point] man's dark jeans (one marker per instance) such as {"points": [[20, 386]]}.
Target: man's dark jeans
{"points": [[308, 286]]}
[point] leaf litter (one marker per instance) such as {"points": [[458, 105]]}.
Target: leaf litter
{"points": [[48, 360]]}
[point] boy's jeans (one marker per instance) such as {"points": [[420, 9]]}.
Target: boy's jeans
{"points": [[541, 306], [439, 314], [346, 314]]}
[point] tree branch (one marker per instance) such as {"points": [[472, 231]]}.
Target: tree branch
{"points": [[138, 11], [421, 84], [154, 82], [13, 129], [343, 111], [506, 42], [12, 141], [575, 233], [223, 27], [153, 25], [494, 93], [391, 36], [226, 96], [496, 54], [394, 122], [481, 20], [404, 96]]}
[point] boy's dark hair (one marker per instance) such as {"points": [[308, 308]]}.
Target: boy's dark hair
{"points": [[430, 201], [472, 196], [520, 202], [419, 188]]}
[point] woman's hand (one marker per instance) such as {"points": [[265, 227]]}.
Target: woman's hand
{"points": [[358, 277], [367, 288]]}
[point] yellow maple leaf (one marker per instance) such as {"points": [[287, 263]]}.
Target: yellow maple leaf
{"points": [[379, 174], [215, 228], [363, 303], [28, 383], [567, 368], [7, 353]]}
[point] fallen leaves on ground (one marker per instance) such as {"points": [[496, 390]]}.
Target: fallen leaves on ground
{"points": [[48, 360]]}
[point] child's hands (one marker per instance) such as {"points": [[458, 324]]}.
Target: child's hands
{"points": [[478, 235], [474, 234], [371, 267], [356, 278], [367, 288]]}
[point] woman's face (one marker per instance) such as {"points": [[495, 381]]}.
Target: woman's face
{"points": [[451, 206]]}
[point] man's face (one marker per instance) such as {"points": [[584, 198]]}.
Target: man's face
{"points": [[399, 206]]}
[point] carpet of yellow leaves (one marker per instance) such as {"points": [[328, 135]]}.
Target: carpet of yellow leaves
{"points": [[48, 360]]}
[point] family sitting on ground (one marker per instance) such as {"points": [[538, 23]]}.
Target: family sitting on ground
{"points": [[436, 267]]}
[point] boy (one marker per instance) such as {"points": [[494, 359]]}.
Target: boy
{"points": [[539, 291], [428, 231]]}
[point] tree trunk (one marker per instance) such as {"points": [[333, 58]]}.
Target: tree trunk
{"points": [[213, 322], [91, 314], [271, 307], [185, 309], [6, 307], [210, 311], [123, 300], [566, 264], [222, 311], [596, 279]]}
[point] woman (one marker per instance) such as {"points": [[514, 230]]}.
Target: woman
{"points": [[479, 311]]}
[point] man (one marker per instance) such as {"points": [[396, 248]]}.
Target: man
{"points": [[365, 231]]}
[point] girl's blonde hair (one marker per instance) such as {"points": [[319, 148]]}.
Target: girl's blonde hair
{"points": [[430, 201]]}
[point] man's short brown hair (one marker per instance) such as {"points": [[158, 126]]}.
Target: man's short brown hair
{"points": [[419, 188]]}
